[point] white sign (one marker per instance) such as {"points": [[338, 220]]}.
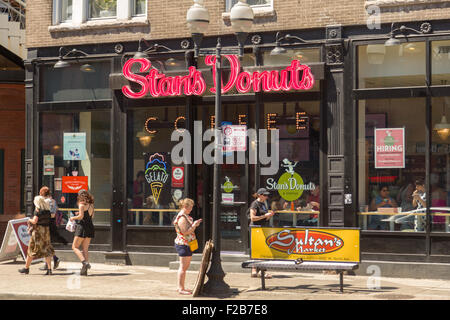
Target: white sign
{"points": [[234, 138], [228, 197], [10, 248], [16, 240]]}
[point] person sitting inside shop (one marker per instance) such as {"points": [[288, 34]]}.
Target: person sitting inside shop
{"points": [[382, 200]]}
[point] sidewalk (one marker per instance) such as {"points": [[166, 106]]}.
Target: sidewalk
{"points": [[143, 282]]}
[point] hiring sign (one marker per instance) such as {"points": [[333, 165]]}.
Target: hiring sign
{"points": [[389, 148], [307, 243]]}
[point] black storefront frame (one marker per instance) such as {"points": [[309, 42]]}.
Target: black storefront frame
{"points": [[60, 107], [118, 119], [428, 91], [125, 104]]}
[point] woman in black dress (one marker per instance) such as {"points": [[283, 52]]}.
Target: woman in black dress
{"points": [[84, 230]]}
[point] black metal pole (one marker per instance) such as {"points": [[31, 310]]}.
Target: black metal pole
{"points": [[216, 275]]}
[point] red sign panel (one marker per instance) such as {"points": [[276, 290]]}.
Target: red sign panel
{"points": [[20, 227], [308, 242], [178, 177], [72, 184], [389, 148]]}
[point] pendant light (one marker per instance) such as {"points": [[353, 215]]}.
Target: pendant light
{"points": [[443, 128]]}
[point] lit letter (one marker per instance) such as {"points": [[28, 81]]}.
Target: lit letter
{"points": [[243, 77], [145, 65], [147, 126]]}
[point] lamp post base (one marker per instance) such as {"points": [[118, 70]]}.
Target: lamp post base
{"points": [[216, 275]]}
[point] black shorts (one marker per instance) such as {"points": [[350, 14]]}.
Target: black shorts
{"points": [[183, 251]]}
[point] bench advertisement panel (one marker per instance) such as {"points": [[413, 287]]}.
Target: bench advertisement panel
{"points": [[324, 244]]}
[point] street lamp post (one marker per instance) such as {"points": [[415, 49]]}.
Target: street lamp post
{"points": [[197, 18]]}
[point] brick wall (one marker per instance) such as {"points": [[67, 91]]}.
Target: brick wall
{"points": [[167, 19], [12, 140]]}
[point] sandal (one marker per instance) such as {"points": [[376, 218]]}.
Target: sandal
{"points": [[184, 292]]}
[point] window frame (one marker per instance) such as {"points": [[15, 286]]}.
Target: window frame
{"points": [[257, 6], [81, 13]]}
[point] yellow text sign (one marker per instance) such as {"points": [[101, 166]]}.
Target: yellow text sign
{"points": [[340, 245]]}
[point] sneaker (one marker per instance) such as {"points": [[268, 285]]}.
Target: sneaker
{"points": [[24, 270], [56, 263]]}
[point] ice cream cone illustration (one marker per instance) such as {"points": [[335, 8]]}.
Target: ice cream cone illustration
{"points": [[156, 190], [156, 175]]}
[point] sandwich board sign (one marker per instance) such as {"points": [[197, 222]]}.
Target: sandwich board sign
{"points": [[16, 240]]}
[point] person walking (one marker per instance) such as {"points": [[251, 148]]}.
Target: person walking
{"points": [[84, 230], [185, 227], [260, 216], [40, 245], [54, 235]]}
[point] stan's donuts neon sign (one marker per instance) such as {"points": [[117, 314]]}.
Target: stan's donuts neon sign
{"points": [[294, 77]]}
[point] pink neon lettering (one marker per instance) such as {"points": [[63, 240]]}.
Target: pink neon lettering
{"points": [[235, 66], [158, 84], [145, 65]]}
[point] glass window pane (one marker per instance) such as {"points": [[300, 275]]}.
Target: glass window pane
{"points": [[441, 62], [299, 131], [231, 3], [66, 10], [152, 193], [396, 66], [95, 165], [387, 179], [72, 84], [440, 165], [102, 8], [140, 7]]}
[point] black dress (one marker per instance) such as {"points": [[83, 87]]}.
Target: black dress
{"points": [[85, 227]]}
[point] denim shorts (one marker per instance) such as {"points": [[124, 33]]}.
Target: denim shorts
{"points": [[183, 250]]}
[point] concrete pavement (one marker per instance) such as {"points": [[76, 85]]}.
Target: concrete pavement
{"points": [[106, 282]]}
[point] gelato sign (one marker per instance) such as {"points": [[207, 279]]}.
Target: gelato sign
{"points": [[290, 185], [156, 174]]}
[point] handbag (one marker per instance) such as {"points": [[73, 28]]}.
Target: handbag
{"points": [[70, 226], [193, 245]]}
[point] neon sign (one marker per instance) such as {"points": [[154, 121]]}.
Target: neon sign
{"points": [[294, 77]]}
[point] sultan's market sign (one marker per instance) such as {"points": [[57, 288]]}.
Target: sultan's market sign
{"points": [[294, 77]]}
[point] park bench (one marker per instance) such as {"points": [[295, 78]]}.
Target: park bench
{"points": [[298, 249]]}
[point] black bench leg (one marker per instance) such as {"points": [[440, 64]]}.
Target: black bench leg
{"points": [[263, 279], [341, 281]]}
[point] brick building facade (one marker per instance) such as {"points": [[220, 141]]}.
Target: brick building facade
{"points": [[362, 82]]}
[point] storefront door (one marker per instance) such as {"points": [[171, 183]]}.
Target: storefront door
{"points": [[234, 182]]}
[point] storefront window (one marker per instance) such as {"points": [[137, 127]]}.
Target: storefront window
{"points": [[72, 84], [303, 55], [440, 62], [440, 165], [102, 8], [295, 187], [391, 164], [155, 184], [75, 149], [383, 66]]}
